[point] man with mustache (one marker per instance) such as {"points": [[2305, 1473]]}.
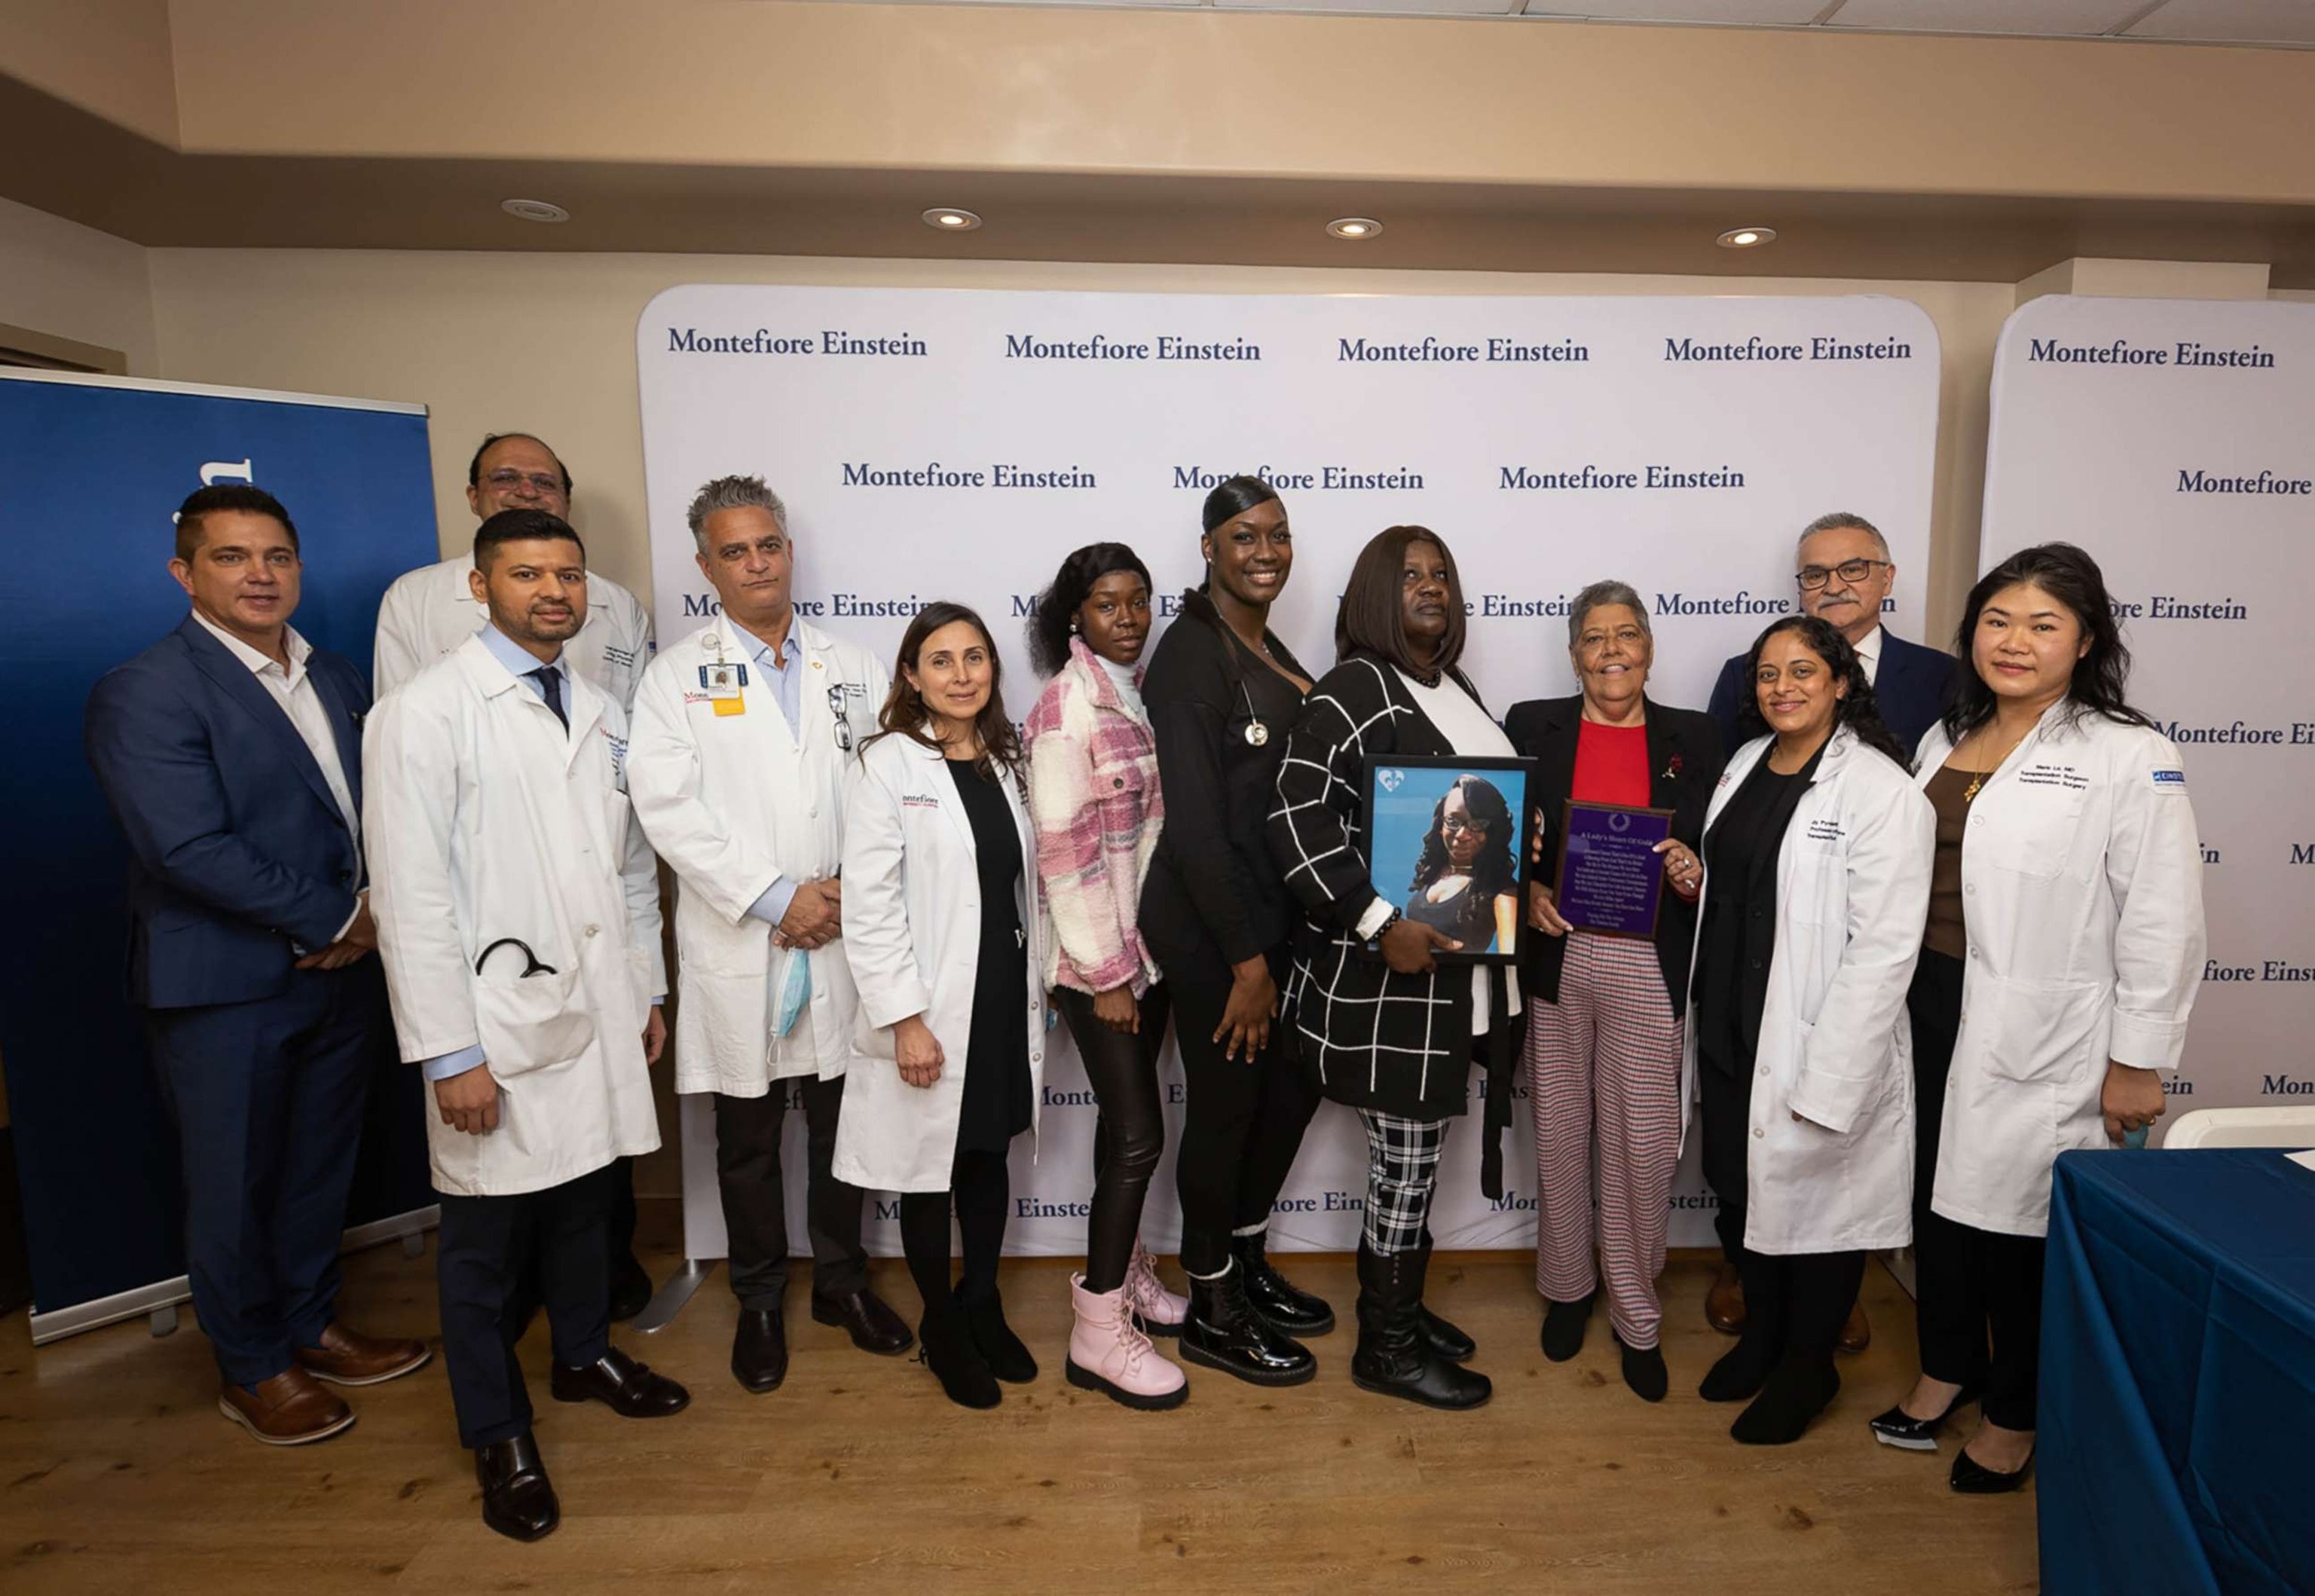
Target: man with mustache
{"points": [[744, 732], [1843, 572], [518, 914]]}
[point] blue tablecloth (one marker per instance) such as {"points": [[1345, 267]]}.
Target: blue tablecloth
{"points": [[2177, 1408]]}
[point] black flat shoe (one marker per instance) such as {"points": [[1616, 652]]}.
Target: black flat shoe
{"points": [[1008, 1358], [1974, 1478], [1445, 1340], [1644, 1371], [1898, 1428], [863, 1316], [628, 1388], [518, 1499], [1282, 1305], [1563, 1327], [759, 1351], [1738, 1376], [1789, 1404], [1223, 1332], [945, 1347]]}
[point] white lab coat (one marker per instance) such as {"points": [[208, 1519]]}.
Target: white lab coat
{"points": [[1852, 898], [912, 932], [2082, 896], [733, 802], [485, 820], [430, 611]]}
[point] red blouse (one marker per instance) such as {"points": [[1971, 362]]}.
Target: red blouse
{"points": [[1611, 764]]}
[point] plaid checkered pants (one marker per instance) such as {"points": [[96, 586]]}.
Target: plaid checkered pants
{"points": [[1402, 1171]]}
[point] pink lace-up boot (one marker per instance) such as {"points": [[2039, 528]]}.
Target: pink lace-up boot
{"points": [[1161, 1312], [1109, 1354]]}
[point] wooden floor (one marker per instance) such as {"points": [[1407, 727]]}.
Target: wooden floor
{"points": [[116, 1473]]}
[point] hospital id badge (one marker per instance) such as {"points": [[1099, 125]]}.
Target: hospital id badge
{"points": [[722, 684]]}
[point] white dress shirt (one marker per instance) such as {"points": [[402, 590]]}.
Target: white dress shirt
{"points": [[1868, 653]]}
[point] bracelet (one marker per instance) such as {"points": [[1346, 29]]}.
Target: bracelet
{"points": [[1395, 917]]}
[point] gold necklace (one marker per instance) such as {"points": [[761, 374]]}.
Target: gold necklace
{"points": [[1977, 778]]}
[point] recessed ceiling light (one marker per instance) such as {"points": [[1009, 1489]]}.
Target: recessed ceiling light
{"points": [[535, 211], [1744, 238], [1354, 226], [947, 218]]}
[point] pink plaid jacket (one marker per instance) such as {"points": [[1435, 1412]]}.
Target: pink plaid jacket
{"points": [[1093, 800]]}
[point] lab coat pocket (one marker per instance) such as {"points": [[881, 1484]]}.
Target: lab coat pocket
{"points": [[2043, 1031], [532, 1023]]}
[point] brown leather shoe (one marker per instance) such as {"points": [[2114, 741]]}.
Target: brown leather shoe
{"points": [[349, 1358], [287, 1410], [1724, 1305], [1858, 1334]]}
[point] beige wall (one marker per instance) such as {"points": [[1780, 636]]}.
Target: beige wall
{"points": [[70, 281], [546, 343]]}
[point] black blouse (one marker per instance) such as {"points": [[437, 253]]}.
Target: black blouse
{"points": [[995, 1105], [1220, 715], [1740, 914]]}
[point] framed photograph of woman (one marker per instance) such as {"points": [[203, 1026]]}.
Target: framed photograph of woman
{"points": [[1447, 845]]}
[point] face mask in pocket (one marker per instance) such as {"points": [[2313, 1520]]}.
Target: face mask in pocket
{"points": [[795, 991]]}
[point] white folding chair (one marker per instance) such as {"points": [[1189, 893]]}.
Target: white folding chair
{"points": [[2287, 1127]]}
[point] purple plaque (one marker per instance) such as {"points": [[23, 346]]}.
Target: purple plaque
{"points": [[1610, 877]]}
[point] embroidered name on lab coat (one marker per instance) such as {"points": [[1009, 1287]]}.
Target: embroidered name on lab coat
{"points": [[2046, 775], [1825, 829], [919, 801]]}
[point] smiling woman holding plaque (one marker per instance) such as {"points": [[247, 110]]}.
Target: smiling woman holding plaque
{"points": [[1631, 778]]}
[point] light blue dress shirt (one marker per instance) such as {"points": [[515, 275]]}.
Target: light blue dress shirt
{"points": [[786, 683]]}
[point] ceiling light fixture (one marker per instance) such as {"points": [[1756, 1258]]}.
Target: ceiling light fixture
{"points": [[947, 218], [535, 211], [1355, 228], [1744, 238]]}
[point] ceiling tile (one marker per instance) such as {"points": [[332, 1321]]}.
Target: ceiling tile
{"points": [[1378, 8], [2047, 18], [1764, 12], [2239, 21]]}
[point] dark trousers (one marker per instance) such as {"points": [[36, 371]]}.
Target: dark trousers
{"points": [[487, 1246], [980, 1189], [619, 1223], [755, 1196], [1973, 1286], [268, 1099], [1794, 1303], [1242, 1125], [1131, 1135]]}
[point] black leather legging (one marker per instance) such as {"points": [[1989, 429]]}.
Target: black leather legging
{"points": [[1123, 1070]]}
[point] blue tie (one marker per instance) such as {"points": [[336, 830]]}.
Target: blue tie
{"points": [[550, 687]]}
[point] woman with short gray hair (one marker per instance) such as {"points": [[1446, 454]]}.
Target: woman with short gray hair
{"points": [[1606, 1008]]}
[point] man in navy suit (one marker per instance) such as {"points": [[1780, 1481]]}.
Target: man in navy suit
{"points": [[231, 754], [1844, 572]]}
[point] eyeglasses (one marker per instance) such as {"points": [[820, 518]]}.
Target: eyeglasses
{"points": [[506, 482], [843, 726], [1459, 823], [1851, 572]]}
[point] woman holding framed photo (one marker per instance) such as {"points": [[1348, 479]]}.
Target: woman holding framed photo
{"points": [[1383, 1027]]}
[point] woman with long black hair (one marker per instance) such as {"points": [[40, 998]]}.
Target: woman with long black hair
{"points": [[1221, 691], [947, 944], [1467, 877], [2063, 950], [1816, 873], [1094, 801]]}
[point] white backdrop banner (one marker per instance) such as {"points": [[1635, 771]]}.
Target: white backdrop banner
{"points": [[941, 444], [2175, 440]]}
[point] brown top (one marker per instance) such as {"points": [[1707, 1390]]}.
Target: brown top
{"points": [[1947, 932]]}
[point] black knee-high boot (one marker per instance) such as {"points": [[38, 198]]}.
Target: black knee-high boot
{"points": [[1393, 1356]]}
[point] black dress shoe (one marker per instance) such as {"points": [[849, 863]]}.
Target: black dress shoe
{"points": [[1974, 1478], [984, 1321], [1563, 1327], [631, 1289], [1223, 1332], [518, 1500], [872, 1326], [1898, 1428], [628, 1388], [759, 1350], [1282, 1305], [1739, 1375]]}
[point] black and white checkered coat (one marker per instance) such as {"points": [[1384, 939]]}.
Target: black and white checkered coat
{"points": [[1372, 1037]]}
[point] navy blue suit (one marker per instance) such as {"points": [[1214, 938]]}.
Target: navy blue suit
{"points": [[239, 862], [1910, 686]]}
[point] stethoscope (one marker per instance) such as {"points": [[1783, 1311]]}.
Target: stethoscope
{"points": [[531, 965], [1256, 733]]}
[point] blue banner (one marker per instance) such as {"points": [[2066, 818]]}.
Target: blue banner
{"points": [[94, 469]]}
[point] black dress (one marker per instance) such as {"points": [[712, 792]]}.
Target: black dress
{"points": [[997, 1088]]}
